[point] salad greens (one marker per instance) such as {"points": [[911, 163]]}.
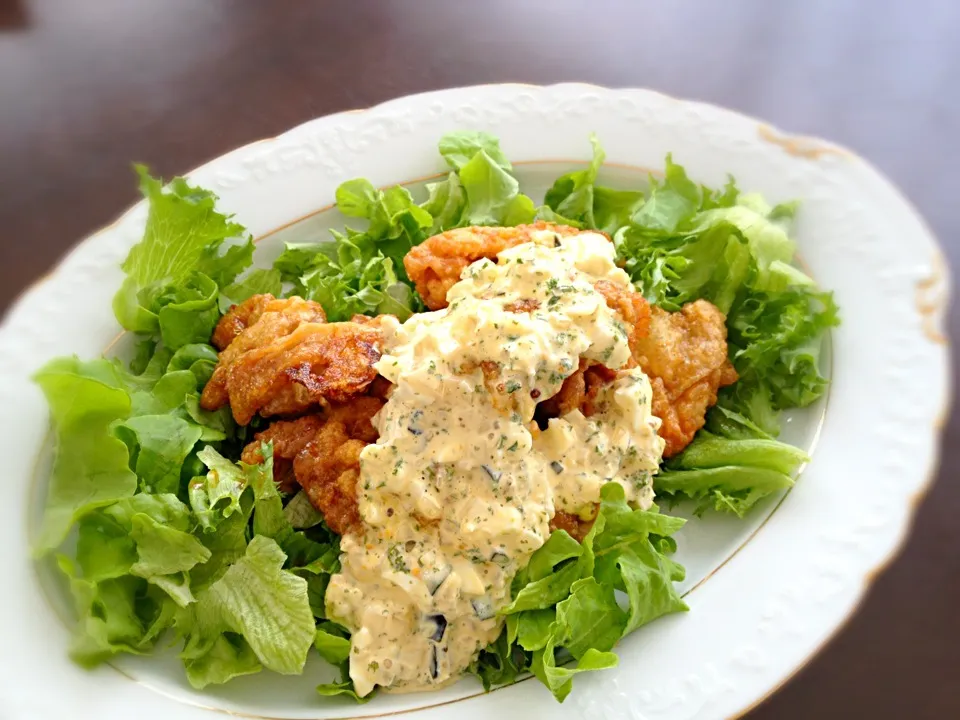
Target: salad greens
{"points": [[161, 533], [682, 242]]}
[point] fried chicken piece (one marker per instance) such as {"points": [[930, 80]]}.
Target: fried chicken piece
{"points": [[435, 264], [568, 398], [685, 357], [328, 467], [578, 392], [289, 437], [595, 377], [314, 364], [255, 322], [238, 318], [321, 452], [526, 305], [632, 307], [574, 525]]}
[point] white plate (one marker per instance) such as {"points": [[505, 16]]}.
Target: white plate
{"points": [[764, 594]]}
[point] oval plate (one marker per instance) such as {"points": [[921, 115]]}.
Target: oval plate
{"points": [[768, 593]]}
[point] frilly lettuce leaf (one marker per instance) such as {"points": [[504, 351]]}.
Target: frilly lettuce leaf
{"points": [[184, 233], [160, 444], [565, 597], [270, 520], [559, 678], [224, 657], [188, 312], [258, 600], [91, 468], [216, 495], [258, 282], [165, 555], [575, 199], [361, 271], [131, 572], [460, 147]]}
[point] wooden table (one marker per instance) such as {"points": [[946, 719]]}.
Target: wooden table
{"points": [[86, 87]]}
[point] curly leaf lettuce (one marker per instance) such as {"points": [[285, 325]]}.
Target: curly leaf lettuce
{"points": [[184, 233], [361, 271], [91, 468], [564, 602], [216, 495], [258, 609], [681, 242]]}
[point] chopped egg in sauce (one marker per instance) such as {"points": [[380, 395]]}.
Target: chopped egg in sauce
{"points": [[459, 490]]}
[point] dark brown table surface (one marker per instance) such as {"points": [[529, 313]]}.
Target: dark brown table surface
{"points": [[87, 87]]}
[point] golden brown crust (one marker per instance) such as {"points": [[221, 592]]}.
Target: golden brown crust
{"points": [[315, 363], [289, 437], [328, 467], [435, 265], [574, 525], [255, 322], [568, 397], [685, 357], [238, 318], [579, 390], [632, 307], [321, 453]]}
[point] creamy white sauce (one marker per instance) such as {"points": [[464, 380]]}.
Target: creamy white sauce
{"points": [[459, 490]]}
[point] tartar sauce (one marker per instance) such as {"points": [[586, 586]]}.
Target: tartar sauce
{"points": [[459, 490]]}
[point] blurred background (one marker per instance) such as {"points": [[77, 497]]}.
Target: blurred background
{"points": [[88, 87]]}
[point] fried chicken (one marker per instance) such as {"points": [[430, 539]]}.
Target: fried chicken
{"points": [[289, 437], [285, 315], [580, 389], [684, 354], [255, 322], [287, 360], [435, 265], [574, 525], [632, 307], [685, 357], [321, 453], [328, 467]]}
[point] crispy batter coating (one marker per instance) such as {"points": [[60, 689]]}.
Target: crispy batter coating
{"points": [[578, 392], [291, 311], [255, 322], [685, 357], [289, 437], [321, 453], [310, 365], [237, 319], [575, 525], [580, 389], [568, 398], [435, 264], [328, 467], [632, 307]]}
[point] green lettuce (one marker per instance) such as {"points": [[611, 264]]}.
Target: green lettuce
{"points": [[361, 271], [564, 603], [184, 234], [91, 468], [258, 600], [130, 574], [258, 282], [680, 242], [216, 495]]}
